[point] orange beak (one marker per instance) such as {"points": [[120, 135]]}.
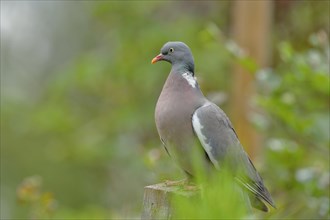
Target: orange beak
{"points": [[157, 58]]}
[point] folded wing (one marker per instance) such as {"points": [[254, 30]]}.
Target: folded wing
{"points": [[219, 140]]}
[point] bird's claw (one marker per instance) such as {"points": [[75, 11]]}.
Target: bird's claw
{"points": [[176, 183]]}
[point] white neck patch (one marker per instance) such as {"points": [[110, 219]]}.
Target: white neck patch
{"points": [[190, 79]]}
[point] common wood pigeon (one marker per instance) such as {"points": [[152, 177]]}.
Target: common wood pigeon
{"points": [[184, 116]]}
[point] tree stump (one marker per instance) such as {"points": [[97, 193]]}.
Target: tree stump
{"points": [[157, 198]]}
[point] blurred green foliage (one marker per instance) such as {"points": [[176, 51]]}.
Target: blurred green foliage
{"points": [[85, 125], [295, 97], [219, 198], [42, 204], [216, 195]]}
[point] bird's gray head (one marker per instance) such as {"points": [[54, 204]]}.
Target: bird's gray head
{"points": [[178, 54]]}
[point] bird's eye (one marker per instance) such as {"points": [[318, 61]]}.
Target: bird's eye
{"points": [[171, 50]]}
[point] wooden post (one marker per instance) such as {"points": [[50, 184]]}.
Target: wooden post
{"points": [[157, 199], [251, 31]]}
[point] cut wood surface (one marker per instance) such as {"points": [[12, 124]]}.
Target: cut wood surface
{"points": [[157, 198]]}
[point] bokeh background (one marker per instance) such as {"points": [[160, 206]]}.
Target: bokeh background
{"points": [[78, 93]]}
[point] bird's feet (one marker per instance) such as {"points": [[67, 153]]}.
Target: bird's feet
{"points": [[176, 183], [184, 184]]}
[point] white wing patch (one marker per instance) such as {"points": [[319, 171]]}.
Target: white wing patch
{"points": [[198, 129], [191, 80]]}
